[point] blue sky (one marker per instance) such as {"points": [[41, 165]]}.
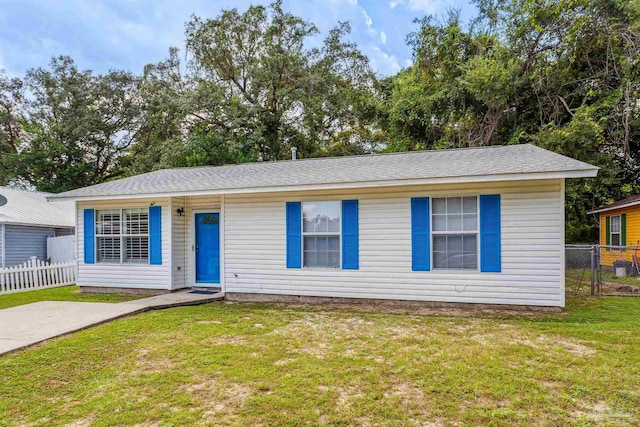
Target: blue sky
{"points": [[127, 34]]}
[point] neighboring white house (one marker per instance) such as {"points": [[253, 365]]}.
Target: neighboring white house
{"points": [[27, 219], [480, 225]]}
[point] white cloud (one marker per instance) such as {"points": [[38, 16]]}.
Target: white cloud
{"points": [[369, 23], [371, 29], [126, 34], [427, 6], [383, 62]]}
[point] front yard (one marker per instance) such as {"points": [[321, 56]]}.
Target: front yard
{"points": [[64, 293], [252, 364]]}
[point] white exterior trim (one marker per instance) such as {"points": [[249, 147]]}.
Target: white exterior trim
{"points": [[352, 185], [31, 224], [615, 208], [222, 246], [4, 245], [170, 260], [78, 236], [563, 252]]}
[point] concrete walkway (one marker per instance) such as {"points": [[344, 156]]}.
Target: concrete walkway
{"points": [[29, 324]]}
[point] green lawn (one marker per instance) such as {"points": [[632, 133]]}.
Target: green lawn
{"points": [[65, 293], [259, 364], [578, 281]]}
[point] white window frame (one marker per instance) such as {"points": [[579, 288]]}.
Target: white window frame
{"points": [[328, 233], [121, 236], [455, 233], [619, 232]]}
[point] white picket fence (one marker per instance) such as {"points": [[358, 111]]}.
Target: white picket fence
{"points": [[36, 274]]}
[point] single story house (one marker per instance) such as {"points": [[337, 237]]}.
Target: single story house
{"points": [[27, 219], [619, 226], [478, 225]]}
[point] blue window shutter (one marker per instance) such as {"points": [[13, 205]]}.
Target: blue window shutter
{"points": [[155, 235], [350, 243], [490, 239], [420, 234], [294, 234], [89, 236]]}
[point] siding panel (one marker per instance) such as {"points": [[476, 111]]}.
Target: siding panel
{"points": [[255, 234], [23, 242], [179, 242]]}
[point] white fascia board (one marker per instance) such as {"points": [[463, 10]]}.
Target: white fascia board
{"points": [[588, 173], [615, 208], [31, 224]]}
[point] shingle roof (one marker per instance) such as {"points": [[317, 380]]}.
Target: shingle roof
{"points": [[416, 165], [33, 208], [629, 201]]}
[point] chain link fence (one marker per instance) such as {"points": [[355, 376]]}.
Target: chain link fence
{"points": [[581, 272], [602, 270]]}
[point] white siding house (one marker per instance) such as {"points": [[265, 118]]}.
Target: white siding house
{"points": [[532, 239], [475, 226]]}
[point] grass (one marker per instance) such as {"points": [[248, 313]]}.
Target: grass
{"points": [[65, 293], [578, 281], [611, 277], [260, 364]]}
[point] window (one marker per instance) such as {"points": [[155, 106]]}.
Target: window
{"points": [[122, 228], [136, 235], [615, 230], [455, 233], [108, 235], [321, 234]]}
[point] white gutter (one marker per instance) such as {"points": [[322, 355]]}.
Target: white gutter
{"points": [[587, 173], [33, 224], [614, 208]]}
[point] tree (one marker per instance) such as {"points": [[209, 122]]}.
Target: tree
{"points": [[563, 74], [262, 91], [78, 126], [165, 105], [11, 133]]}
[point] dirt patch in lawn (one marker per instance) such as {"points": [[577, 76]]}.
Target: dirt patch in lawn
{"points": [[218, 399], [622, 289], [601, 412], [573, 347]]}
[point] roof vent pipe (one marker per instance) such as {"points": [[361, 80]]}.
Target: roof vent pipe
{"points": [[294, 150]]}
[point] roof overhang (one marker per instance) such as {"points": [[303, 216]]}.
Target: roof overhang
{"points": [[615, 208], [30, 224], [585, 173]]}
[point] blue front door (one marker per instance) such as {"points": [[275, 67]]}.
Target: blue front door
{"points": [[207, 248]]}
